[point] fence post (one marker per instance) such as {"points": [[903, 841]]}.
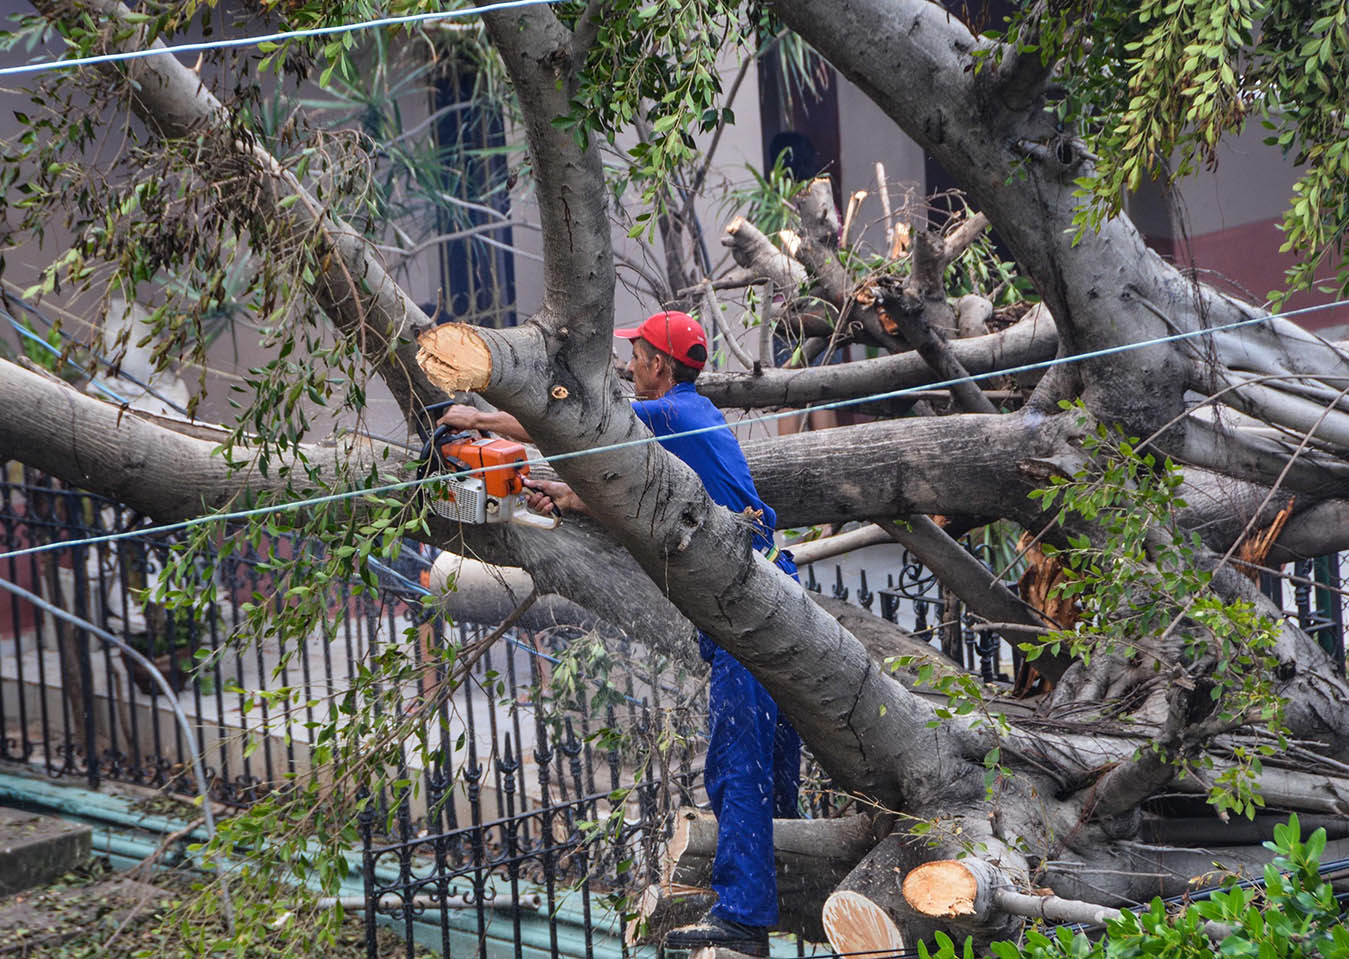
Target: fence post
{"points": [[86, 671], [366, 822], [1330, 606]]}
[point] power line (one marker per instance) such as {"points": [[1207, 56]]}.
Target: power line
{"points": [[44, 65], [645, 440], [14, 292], [117, 371], [30, 335]]}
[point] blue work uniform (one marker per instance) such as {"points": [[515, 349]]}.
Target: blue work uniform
{"points": [[753, 768]]}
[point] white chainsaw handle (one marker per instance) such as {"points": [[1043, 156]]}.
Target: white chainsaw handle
{"points": [[528, 517]]}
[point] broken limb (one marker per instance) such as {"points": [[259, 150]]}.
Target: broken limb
{"points": [[1032, 339]]}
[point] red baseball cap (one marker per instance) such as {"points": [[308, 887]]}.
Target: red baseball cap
{"points": [[673, 333]]}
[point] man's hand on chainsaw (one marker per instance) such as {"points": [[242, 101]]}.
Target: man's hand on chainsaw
{"points": [[547, 496], [461, 417], [464, 417]]}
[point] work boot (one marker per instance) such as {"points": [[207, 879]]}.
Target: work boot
{"points": [[721, 933]]}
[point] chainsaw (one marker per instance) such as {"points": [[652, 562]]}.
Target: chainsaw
{"points": [[488, 481]]}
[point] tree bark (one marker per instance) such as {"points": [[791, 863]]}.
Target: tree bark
{"points": [[978, 587], [1030, 340], [873, 736], [1104, 288], [811, 856]]}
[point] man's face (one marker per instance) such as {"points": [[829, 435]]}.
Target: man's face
{"points": [[648, 369]]}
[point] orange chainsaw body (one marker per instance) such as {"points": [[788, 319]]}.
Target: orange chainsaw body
{"points": [[494, 458]]}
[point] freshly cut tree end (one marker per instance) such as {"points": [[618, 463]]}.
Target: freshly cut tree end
{"points": [[1255, 548], [692, 845], [855, 924], [713, 952], [664, 907], [943, 889], [455, 357]]}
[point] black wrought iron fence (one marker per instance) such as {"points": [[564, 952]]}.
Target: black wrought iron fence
{"points": [[530, 822]]}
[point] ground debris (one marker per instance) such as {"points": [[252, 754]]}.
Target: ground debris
{"points": [[96, 912]]}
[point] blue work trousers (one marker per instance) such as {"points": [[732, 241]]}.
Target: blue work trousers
{"points": [[752, 775]]}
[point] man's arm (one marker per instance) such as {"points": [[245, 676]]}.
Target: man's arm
{"points": [[462, 417]]}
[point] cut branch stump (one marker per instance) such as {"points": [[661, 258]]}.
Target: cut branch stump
{"points": [[863, 914], [663, 907], [812, 856]]}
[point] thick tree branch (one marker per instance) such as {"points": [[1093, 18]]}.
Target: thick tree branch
{"points": [[172, 473], [756, 254], [906, 311], [1032, 339], [1124, 787], [963, 574], [578, 257], [818, 247], [51, 426], [1258, 456], [587, 29], [928, 85], [1021, 76], [556, 379]]}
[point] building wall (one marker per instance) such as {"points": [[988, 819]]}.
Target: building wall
{"points": [[1224, 223], [870, 137]]}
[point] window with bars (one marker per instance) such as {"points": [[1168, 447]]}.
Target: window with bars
{"points": [[476, 268]]}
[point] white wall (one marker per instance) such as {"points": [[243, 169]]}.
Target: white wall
{"points": [[869, 137]]}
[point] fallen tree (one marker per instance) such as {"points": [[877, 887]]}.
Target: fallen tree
{"points": [[1146, 720]]}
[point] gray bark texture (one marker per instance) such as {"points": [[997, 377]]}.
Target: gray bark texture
{"points": [[1069, 815]]}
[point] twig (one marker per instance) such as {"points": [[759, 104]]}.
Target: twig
{"points": [[464, 665], [883, 191], [406, 252], [701, 175], [421, 125], [714, 310], [146, 863], [1291, 577], [766, 326], [470, 205], [658, 286], [735, 278], [165, 843], [1009, 628], [854, 203]]}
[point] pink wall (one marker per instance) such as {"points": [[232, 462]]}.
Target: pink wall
{"points": [[1246, 261]]}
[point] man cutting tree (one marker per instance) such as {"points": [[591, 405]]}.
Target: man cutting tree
{"points": [[753, 764]]}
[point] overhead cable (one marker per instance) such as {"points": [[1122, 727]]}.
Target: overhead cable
{"points": [[33, 337], [116, 369], [278, 37]]}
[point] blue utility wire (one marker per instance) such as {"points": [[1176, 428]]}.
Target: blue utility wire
{"points": [[43, 65], [29, 334], [644, 440], [121, 374]]}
